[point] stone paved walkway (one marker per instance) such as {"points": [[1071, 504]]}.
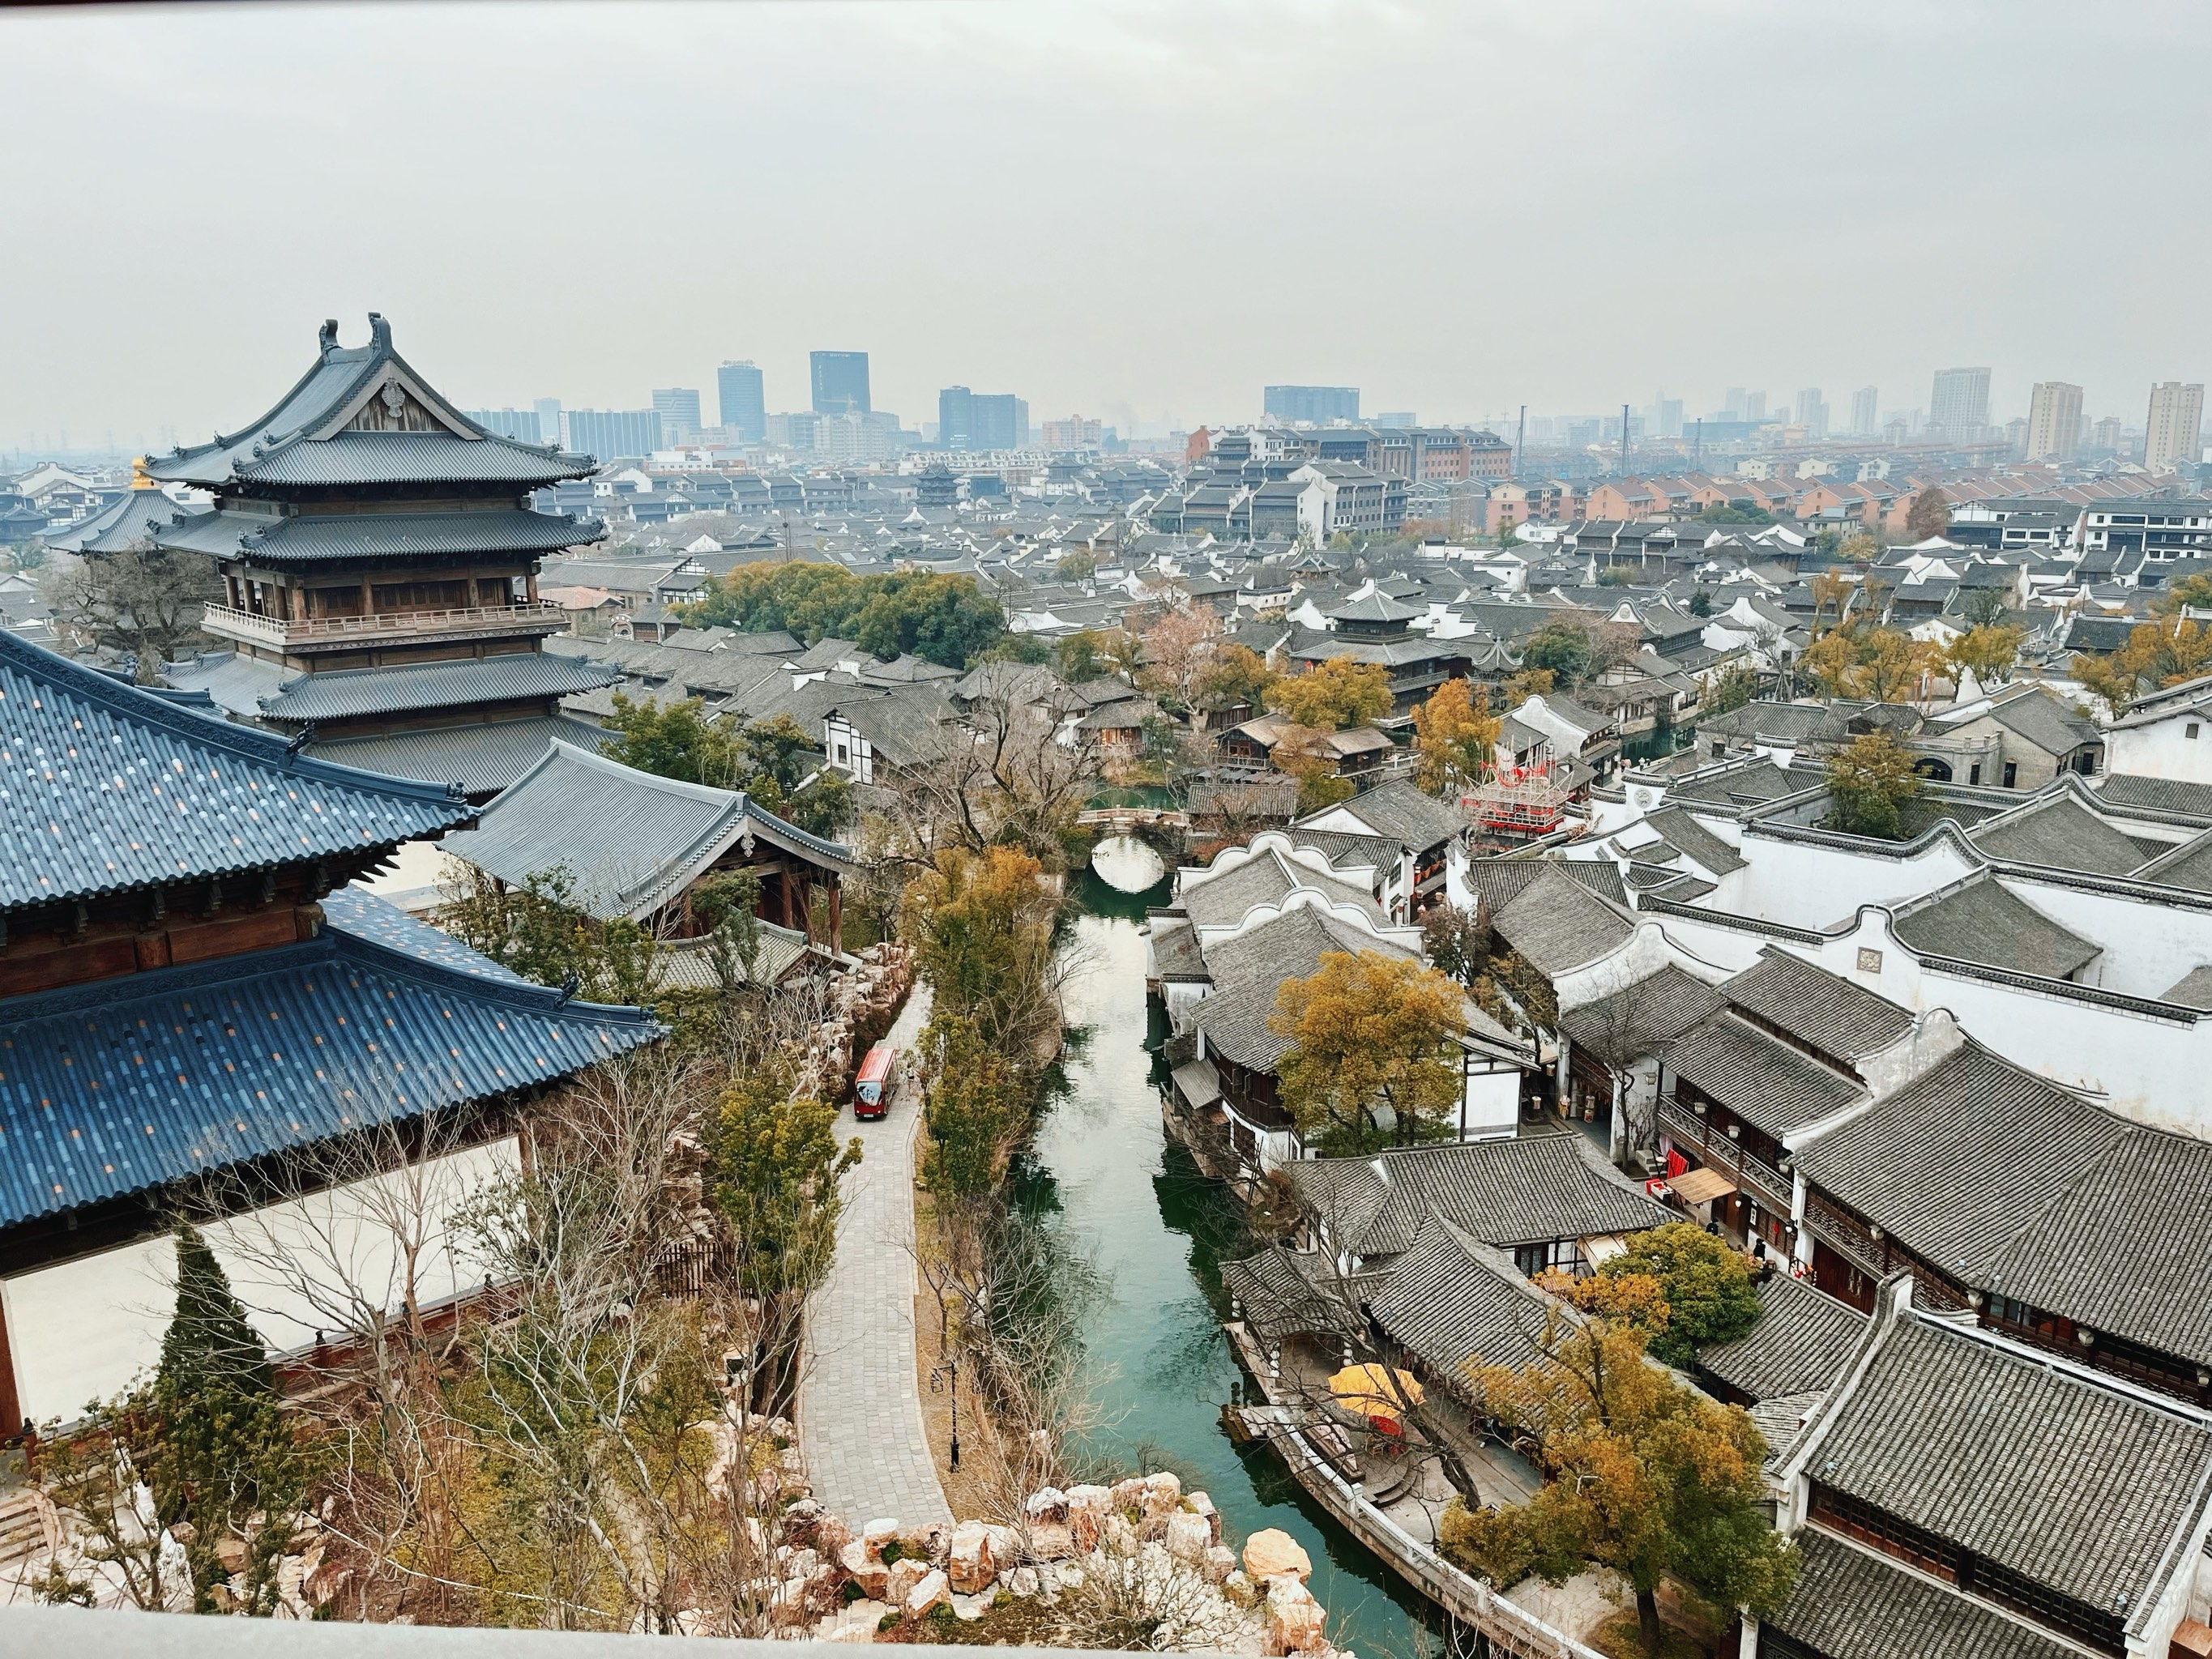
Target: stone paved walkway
{"points": [[859, 1408]]}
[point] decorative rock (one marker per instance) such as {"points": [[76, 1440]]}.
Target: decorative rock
{"points": [[1220, 1562], [931, 1542], [866, 1570], [1238, 1588], [1086, 1515], [831, 1535], [926, 1593], [877, 1534], [1118, 1535], [973, 1566], [1130, 1494], [968, 1608], [905, 1574], [1048, 1504], [790, 1608], [1294, 1617], [1163, 1495], [1005, 1545], [1189, 1538], [1273, 1551], [1051, 1541], [1024, 1581], [802, 1522]]}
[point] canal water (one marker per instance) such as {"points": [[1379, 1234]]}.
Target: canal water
{"points": [[1157, 1233]]}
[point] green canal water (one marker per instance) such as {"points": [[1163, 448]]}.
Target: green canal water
{"points": [[1159, 1232]]}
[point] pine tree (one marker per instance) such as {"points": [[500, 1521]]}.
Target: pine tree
{"points": [[223, 1454]]}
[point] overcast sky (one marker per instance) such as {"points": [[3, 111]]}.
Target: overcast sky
{"points": [[1139, 211]]}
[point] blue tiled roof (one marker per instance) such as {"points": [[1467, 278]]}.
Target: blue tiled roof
{"points": [[406, 687], [105, 787], [316, 537], [117, 1086], [139, 516]]}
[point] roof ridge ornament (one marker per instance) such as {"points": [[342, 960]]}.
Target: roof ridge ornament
{"points": [[326, 336], [379, 331]]}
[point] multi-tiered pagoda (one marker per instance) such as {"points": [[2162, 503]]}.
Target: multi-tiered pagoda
{"points": [[380, 554]]}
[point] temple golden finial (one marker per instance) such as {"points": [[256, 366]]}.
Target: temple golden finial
{"points": [[140, 478]]}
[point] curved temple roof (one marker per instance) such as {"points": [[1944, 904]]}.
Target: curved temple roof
{"points": [[310, 437], [111, 1088], [105, 787], [630, 841]]}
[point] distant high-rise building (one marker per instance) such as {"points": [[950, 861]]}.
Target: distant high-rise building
{"points": [[2107, 434], [1668, 417], [1958, 410], [841, 382], [794, 431], [1397, 420], [978, 420], [2054, 422], [520, 424], [1754, 406], [679, 409], [739, 402], [1732, 405], [1866, 411], [854, 437], [1074, 433], [2172, 436], [549, 421], [1813, 412], [611, 434], [1317, 403]]}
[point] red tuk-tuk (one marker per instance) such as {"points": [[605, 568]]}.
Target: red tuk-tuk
{"points": [[872, 1089]]}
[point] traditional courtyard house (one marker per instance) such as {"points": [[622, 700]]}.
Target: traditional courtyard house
{"points": [[1354, 754], [1264, 914], [189, 992], [380, 556], [1424, 838], [2167, 734], [635, 845], [1954, 1493]]}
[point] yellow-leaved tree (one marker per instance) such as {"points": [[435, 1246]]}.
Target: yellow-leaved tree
{"points": [[1375, 1059], [1332, 695], [1454, 732]]}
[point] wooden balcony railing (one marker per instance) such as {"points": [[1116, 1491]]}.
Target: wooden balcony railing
{"points": [[1714, 1148], [307, 631]]}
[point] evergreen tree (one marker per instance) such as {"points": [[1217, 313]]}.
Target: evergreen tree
{"points": [[224, 1456]]}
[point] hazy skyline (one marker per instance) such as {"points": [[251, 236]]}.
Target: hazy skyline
{"points": [[1141, 212]]}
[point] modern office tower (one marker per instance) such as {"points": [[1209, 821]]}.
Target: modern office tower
{"points": [[1813, 412], [520, 425], [2054, 422], [1754, 406], [1866, 412], [549, 421], [739, 402], [1960, 407], [611, 434], [1668, 417], [977, 421], [1317, 403], [1732, 405], [839, 381], [679, 409], [2173, 434]]}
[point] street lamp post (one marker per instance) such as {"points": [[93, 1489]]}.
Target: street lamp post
{"points": [[943, 1378]]}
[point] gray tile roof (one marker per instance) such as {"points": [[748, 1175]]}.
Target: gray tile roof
{"points": [[1958, 1162], [104, 787], [141, 516], [1401, 811], [1533, 1188], [1686, 836], [1175, 954], [236, 680], [1981, 919], [325, 536], [480, 758], [2158, 794], [1215, 900], [1497, 882], [1454, 1303], [342, 693], [1764, 1082], [1284, 1293], [631, 841], [1559, 924], [1249, 970], [1799, 1344], [1640, 1018], [2189, 865], [2059, 831], [2072, 1484], [2036, 717], [1850, 1603], [1818, 1007], [1745, 784]]}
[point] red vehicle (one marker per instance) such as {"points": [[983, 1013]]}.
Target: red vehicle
{"points": [[872, 1089]]}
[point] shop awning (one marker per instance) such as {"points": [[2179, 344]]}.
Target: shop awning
{"points": [[1701, 1186]]}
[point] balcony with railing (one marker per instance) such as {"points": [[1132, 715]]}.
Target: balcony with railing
{"points": [[308, 633], [1717, 1150]]}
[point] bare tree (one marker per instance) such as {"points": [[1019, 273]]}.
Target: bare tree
{"points": [[145, 601]]}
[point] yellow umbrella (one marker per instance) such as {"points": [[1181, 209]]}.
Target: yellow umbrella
{"points": [[1375, 1392]]}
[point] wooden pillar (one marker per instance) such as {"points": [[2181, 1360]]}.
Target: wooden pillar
{"points": [[368, 599], [794, 910], [836, 939], [11, 1406]]}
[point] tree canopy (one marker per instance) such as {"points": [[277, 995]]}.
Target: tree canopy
{"points": [[1332, 695], [2158, 654], [1454, 733], [1708, 1291], [943, 619], [1870, 781], [1928, 515], [1373, 1037], [771, 760]]}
